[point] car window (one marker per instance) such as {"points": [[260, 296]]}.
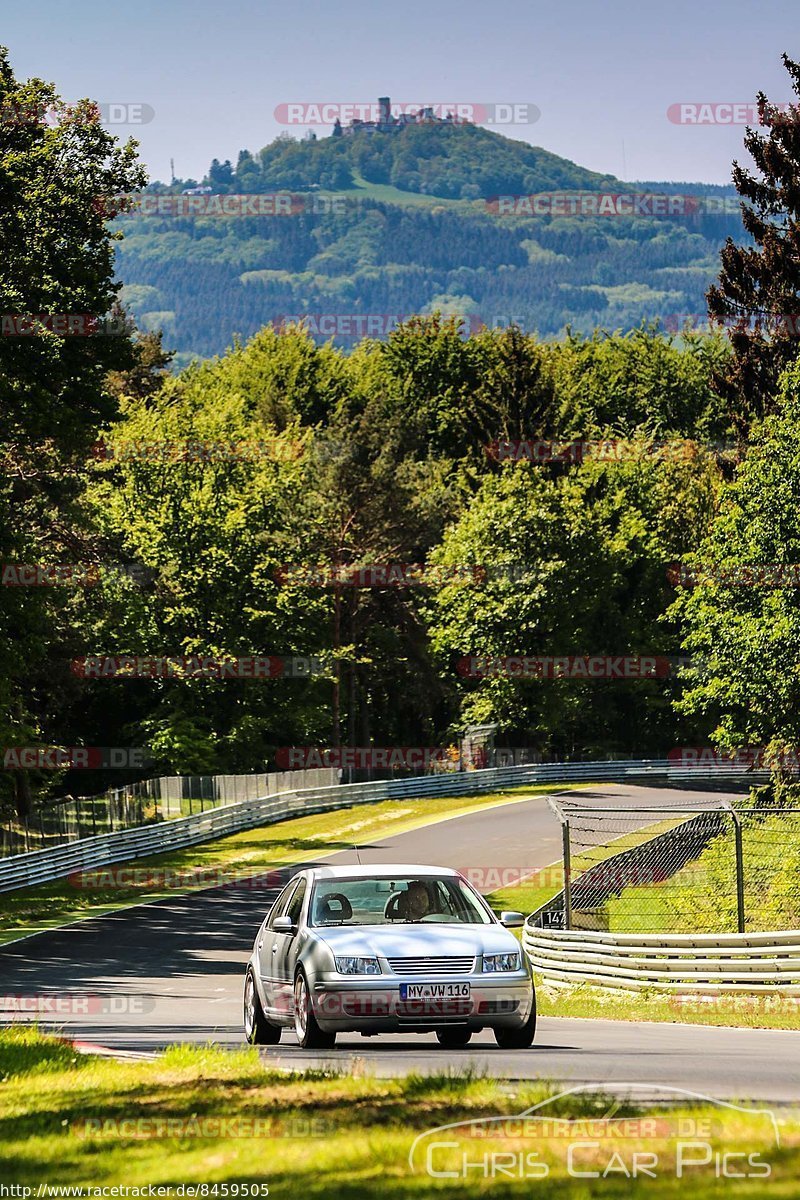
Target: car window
{"points": [[279, 907], [435, 900], [295, 905]]}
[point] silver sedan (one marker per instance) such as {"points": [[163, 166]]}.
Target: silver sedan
{"points": [[387, 949]]}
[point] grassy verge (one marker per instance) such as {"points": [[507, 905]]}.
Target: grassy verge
{"points": [[206, 1117], [237, 856], [614, 1004]]}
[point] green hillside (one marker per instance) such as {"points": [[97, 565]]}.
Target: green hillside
{"points": [[394, 224]]}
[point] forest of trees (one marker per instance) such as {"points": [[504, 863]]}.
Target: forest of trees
{"points": [[189, 495]]}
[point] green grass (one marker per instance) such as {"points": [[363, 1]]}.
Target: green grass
{"points": [[388, 194], [198, 1115], [30, 910], [755, 1011]]}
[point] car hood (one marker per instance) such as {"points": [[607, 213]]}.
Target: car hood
{"points": [[418, 940]]}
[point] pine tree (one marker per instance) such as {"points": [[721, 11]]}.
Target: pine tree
{"points": [[757, 292]]}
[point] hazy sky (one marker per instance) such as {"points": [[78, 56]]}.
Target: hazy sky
{"points": [[602, 72]]}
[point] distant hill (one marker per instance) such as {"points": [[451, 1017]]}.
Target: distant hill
{"points": [[391, 224], [455, 162]]}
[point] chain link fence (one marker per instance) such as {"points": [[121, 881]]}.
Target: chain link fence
{"points": [[716, 868], [145, 803]]}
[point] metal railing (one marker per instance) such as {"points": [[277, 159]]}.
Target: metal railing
{"points": [[40, 866], [712, 964], [164, 798]]}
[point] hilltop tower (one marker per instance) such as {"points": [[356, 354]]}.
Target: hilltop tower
{"points": [[384, 110]]}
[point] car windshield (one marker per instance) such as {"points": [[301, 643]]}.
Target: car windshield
{"points": [[432, 900]]}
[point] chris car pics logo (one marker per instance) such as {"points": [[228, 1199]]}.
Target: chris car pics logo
{"points": [[696, 1139]]}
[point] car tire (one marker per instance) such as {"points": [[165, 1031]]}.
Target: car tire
{"points": [[521, 1037], [257, 1029], [309, 1034], [453, 1038]]}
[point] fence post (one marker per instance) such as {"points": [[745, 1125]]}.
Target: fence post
{"points": [[737, 838], [567, 875]]}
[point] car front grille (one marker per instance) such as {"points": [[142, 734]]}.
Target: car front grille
{"points": [[432, 966]]}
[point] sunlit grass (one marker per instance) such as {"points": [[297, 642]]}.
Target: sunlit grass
{"points": [[755, 1011], [201, 1115]]}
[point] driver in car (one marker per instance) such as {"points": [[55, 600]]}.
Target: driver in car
{"points": [[417, 901]]}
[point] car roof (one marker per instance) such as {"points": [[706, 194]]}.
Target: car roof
{"points": [[381, 871]]}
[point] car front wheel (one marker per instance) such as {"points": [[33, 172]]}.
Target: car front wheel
{"points": [[257, 1029], [309, 1034], [520, 1038]]}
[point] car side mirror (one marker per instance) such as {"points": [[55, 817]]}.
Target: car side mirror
{"points": [[283, 925], [512, 920]]}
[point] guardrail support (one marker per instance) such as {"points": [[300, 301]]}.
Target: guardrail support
{"points": [[567, 875], [737, 838]]}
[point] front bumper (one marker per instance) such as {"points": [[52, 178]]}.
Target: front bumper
{"points": [[372, 1004]]}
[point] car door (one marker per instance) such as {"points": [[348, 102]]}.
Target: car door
{"points": [[266, 945], [286, 948]]}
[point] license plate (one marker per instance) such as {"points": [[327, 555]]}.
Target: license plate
{"points": [[434, 991]]}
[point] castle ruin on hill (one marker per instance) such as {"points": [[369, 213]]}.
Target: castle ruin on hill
{"points": [[386, 122]]}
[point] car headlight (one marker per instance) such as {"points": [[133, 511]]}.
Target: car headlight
{"points": [[501, 962], [357, 966]]}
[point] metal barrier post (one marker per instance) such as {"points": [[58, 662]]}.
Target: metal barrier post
{"points": [[567, 875], [737, 837]]}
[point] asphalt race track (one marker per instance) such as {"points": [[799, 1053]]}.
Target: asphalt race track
{"points": [[173, 971]]}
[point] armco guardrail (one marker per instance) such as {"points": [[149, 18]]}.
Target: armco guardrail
{"points": [[709, 964], [41, 866], [162, 797]]}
